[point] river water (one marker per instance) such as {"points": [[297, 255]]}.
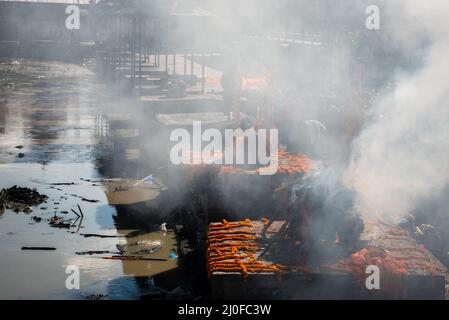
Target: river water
{"points": [[49, 135]]}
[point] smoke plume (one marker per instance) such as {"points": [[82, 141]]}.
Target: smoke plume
{"points": [[401, 156]]}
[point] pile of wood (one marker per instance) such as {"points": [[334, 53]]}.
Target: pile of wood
{"points": [[294, 163], [358, 261], [288, 163], [391, 249]]}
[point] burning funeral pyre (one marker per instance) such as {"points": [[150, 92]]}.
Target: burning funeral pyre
{"points": [[233, 247]]}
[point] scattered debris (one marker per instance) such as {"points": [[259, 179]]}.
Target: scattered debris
{"points": [[91, 235], [59, 222], [53, 184], [22, 195], [39, 248], [90, 200], [136, 258], [62, 183], [173, 255], [84, 199], [91, 252], [80, 216], [98, 181], [28, 209], [81, 211], [20, 199]]}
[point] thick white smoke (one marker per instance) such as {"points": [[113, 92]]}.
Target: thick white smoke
{"points": [[402, 155]]}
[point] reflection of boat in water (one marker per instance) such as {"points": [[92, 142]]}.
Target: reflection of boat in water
{"points": [[152, 245], [129, 191], [139, 203], [140, 208]]}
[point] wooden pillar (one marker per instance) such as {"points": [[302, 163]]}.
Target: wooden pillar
{"points": [[191, 65], [140, 51], [203, 73], [113, 45], [174, 63], [133, 55], [166, 62]]}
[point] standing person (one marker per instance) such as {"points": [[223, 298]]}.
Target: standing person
{"points": [[231, 82]]}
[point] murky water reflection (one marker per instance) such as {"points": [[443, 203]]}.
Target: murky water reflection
{"points": [[49, 111]]}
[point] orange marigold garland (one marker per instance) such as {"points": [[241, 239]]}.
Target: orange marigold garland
{"points": [[231, 247]]}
